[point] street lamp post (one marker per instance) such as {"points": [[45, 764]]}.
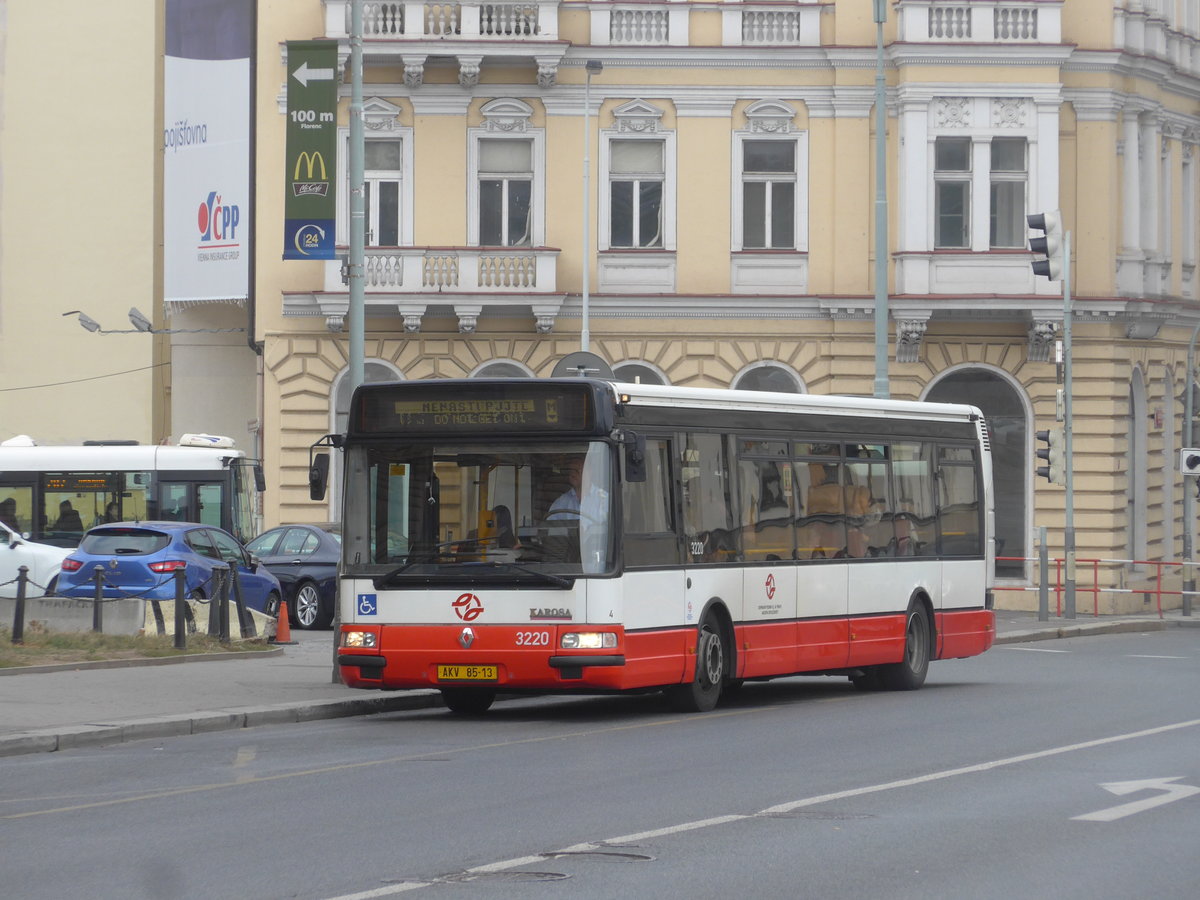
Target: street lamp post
{"points": [[593, 67], [882, 388]]}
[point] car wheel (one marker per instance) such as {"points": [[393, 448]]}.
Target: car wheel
{"points": [[308, 612]]}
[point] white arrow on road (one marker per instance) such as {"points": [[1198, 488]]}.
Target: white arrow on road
{"points": [[304, 74], [1171, 793]]}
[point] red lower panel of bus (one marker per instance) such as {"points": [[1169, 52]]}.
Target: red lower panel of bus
{"points": [[514, 657], [967, 632]]}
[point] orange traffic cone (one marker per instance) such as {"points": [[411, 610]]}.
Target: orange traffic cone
{"points": [[283, 627]]}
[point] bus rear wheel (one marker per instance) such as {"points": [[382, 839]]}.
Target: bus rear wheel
{"points": [[909, 674], [704, 690], [468, 701]]}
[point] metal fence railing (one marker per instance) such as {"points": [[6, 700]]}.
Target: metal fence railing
{"points": [[217, 593]]}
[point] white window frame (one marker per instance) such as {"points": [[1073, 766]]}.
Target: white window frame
{"points": [[800, 204], [537, 193], [1009, 177], [402, 134], [604, 204]]}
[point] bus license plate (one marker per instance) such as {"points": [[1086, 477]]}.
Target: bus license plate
{"points": [[467, 673]]}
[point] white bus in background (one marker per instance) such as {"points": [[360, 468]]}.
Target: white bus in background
{"points": [[577, 535], [53, 494]]}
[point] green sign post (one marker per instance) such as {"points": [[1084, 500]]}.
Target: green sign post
{"points": [[309, 207]]}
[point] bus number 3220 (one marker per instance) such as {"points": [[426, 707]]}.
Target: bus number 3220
{"points": [[533, 639]]}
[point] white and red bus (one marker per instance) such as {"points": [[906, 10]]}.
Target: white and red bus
{"points": [[714, 537]]}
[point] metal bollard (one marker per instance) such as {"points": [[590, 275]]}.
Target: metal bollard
{"points": [[98, 602], [180, 602], [214, 606], [224, 618], [245, 620], [18, 629], [1043, 576]]}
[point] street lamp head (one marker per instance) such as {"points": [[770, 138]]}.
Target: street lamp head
{"points": [[139, 320], [594, 67], [84, 319]]}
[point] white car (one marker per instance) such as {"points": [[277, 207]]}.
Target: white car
{"points": [[43, 560]]}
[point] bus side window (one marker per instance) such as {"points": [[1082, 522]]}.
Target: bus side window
{"points": [[708, 518], [648, 511]]}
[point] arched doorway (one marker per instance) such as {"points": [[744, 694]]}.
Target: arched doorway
{"points": [[1007, 418]]}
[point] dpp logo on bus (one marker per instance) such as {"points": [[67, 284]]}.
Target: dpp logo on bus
{"points": [[217, 220]]}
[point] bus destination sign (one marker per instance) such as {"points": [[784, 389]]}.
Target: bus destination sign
{"points": [[486, 408]]}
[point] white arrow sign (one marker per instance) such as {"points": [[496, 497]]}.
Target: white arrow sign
{"points": [[1170, 793], [304, 74]]}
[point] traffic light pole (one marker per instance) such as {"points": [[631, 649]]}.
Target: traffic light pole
{"points": [[1069, 521], [1189, 485]]}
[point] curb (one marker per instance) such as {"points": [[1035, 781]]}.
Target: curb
{"points": [[94, 735]]}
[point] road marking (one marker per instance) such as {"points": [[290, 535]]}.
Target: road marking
{"points": [[1170, 793], [503, 865], [1036, 650], [1148, 656]]}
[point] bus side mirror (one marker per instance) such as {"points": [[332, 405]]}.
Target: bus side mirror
{"points": [[635, 457], [318, 476], [260, 480]]}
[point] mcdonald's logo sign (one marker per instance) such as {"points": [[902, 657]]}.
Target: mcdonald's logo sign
{"points": [[309, 176]]}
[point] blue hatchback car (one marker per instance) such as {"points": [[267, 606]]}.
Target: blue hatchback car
{"points": [[139, 559]]}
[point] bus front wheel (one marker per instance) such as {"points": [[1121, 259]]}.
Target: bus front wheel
{"points": [[467, 701], [704, 690]]}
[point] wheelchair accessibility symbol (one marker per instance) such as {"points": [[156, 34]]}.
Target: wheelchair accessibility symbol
{"points": [[367, 605]]}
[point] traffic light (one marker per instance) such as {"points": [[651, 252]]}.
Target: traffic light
{"points": [[1054, 454], [1050, 244]]}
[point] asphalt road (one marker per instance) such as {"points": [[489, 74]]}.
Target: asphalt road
{"points": [[1034, 771]]}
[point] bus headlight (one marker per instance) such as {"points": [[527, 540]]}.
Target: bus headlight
{"points": [[366, 639], [588, 640]]}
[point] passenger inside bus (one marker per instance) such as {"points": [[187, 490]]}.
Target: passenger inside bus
{"points": [[8, 513], [68, 518]]}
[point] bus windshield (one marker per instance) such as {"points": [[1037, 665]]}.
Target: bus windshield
{"points": [[511, 511]]}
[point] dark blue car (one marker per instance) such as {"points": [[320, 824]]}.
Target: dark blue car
{"points": [[305, 560], [139, 559]]}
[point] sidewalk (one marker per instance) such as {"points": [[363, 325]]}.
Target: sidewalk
{"points": [[57, 708]]}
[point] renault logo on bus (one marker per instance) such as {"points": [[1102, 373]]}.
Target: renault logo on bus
{"points": [[468, 607], [467, 638]]}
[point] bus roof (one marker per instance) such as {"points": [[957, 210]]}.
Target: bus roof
{"points": [[110, 458], [767, 401]]}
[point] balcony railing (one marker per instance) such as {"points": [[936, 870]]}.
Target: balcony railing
{"points": [[771, 24], [501, 20], [980, 21], [456, 269]]}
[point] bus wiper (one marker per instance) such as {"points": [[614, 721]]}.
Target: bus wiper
{"points": [[423, 556], [556, 580]]}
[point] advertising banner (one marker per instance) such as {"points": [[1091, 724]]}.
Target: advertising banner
{"points": [[206, 146], [310, 201]]}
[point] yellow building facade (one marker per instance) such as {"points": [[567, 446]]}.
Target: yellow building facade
{"points": [[729, 218]]}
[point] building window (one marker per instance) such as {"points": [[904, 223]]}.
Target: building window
{"points": [[768, 377], [952, 192], [505, 193], [636, 180], [382, 169], [768, 195], [638, 373], [1007, 200]]}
